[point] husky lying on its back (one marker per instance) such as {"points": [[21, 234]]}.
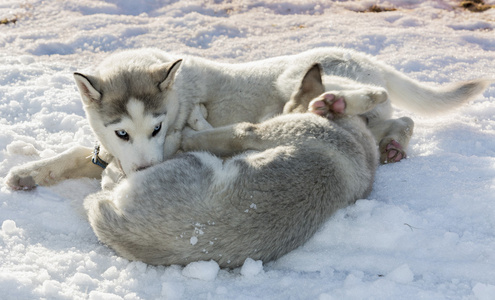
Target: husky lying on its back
{"points": [[145, 97], [259, 204]]}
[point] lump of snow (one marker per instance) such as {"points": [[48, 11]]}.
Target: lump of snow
{"points": [[484, 291], [111, 273], [84, 280], [9, 227], [20, 147], [402, 274], [51, 288], [203, 270], [26, 59], [193, 240], [251, 267]]}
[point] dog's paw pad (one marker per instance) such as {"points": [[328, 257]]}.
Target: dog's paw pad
{"points": [[19, 183], [328, 105], [392, 153]]}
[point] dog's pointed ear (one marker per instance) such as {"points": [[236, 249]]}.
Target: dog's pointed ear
{"points": [[311, 87], [165, 74], [311, 82], [87, 86]]}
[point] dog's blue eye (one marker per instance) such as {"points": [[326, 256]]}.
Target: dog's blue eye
{"points": [[157, 129], [122, 134]]}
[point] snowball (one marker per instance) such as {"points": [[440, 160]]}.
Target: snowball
{"points": [[193, 240], [9, 227], [203, 270], [402, 274], [251, 267]]}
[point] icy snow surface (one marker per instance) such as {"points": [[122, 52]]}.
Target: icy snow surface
{"points": [[426, 232]]}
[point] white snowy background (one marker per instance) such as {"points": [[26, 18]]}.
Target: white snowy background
{"points": [[426, 232]]}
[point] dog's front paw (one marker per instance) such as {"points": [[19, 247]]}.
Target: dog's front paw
{"points": [[328, 105], [17, 181], [32, 174]]}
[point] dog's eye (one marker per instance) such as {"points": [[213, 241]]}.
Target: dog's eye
{"points": [[122, 134], [156, 129]]}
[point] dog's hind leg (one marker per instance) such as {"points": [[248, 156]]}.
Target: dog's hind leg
{"points": [[73, 163], [342, 97], [393, 137]]}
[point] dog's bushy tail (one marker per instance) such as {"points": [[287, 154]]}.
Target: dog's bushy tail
{"points": [[418, 97]]}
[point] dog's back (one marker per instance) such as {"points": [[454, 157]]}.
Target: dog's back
{"points": [[259, 205]]}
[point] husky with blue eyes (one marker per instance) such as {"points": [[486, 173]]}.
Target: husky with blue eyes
{"points": [[130, 118], [139, 101]]}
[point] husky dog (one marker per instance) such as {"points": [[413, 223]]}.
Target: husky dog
{"points": [[142, 99], [294, 171]]}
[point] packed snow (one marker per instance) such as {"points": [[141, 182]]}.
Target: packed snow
{"points": [[427, 231]]}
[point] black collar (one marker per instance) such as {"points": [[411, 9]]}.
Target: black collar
{"points": [[96, 159]]}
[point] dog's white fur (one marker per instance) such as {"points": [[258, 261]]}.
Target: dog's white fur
{"points": [[185, 90]]}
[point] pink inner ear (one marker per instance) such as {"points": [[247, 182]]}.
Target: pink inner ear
{"points": [[85, 91]]}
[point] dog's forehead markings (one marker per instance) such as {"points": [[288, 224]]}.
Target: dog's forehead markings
{"points": [[135, 108], [139, 113], [116, 121], [159, 114]]}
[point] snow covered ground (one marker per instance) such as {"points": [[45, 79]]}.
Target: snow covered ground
{"points": [[426, 232]]}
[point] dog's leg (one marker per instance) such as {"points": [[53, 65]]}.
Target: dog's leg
{"points": [[222, 141], [392, 137], [73, 163]]}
